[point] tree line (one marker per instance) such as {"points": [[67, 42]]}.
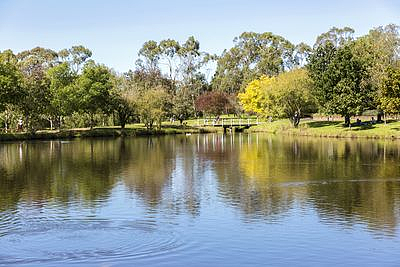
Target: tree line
{"points": [[342, 75], [263, 74]]}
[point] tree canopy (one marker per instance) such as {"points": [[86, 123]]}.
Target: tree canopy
{"points": [[390, 94], [254, 55], [10, 80], [340, 81], [286, 96], [93, 90]]}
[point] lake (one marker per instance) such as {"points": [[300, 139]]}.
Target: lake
{"points": [[200, 200]]}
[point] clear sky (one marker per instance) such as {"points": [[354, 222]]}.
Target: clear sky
{"points": [[116, 29]]}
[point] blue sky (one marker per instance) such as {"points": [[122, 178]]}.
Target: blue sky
{"points": [[115, 30]]}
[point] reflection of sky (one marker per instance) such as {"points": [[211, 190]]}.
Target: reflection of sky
{"points": [[115, 30]]}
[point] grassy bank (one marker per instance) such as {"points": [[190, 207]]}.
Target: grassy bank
{"points": [[306, 128], [331, 129], [130, 130]]}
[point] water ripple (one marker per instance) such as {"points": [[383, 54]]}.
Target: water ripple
{"points": [[8, 222], [89, 240]]}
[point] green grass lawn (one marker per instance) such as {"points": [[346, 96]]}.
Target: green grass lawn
{"points": [[331, 129], [306, 128]]}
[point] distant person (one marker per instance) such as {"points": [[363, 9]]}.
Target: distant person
{"points": [[373, 121]]}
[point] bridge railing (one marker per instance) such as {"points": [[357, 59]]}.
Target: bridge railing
{"points": [[227, 122]]}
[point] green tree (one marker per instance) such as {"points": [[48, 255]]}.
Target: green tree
{"points": [[45, 58], [62, 78], [123, 100], [35, 102], [75, 56], [92, 90], [153, 106], [336, 36], [340, 81], [36, 98], [169, 52], [379, 51], [189, 53], [390, 92], [141, 80], [149, 57], [254, 55], [10, 88], [191, 62], [174, 66], [10, 116], [301, 54], [183, 104], [290, 95], [10, 80]]}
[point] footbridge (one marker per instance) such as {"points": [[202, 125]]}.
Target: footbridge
{"points": [[229, 124]]}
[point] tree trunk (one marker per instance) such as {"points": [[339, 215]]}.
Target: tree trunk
{"points": [[7, 119], [347, 120], [296, 122], [384, 117], [59, 122], [30, 121], [91, 121], [379, 117], [123, 123]]}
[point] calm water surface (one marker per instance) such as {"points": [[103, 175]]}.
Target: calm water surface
{"points": [[200, 200]]}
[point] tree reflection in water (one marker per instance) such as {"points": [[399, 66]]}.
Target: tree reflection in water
{"points": [[263, 176]]}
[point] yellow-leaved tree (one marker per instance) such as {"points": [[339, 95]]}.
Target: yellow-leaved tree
{"points": [[287, 95], [254, 98]]}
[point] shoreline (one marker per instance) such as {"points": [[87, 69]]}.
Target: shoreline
{"points": [[100, 132], [331, 129], [336, 136], [307, 128]]}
